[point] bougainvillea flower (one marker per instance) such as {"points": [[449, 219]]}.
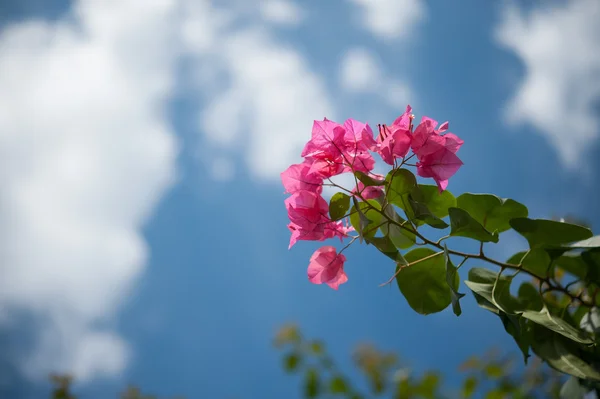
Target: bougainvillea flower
{"points": [[338, 229], [393, 142], [308, 213], [440, 166], [327, 267], [358, 136], [403, 121], [296, 178], [427, 139], [327, 136]]}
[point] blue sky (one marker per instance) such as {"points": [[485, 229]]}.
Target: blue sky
{"points": [[143, 233]]}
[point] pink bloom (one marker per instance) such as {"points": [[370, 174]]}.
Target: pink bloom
{"points": [[358, 141], [335, 149], [359, 136], [370, 192], [327, 266], [393, 142], [427, 139], [308, 213], [327, 136], [296, 178], [404, 120], [440, 165], [337, 229]]}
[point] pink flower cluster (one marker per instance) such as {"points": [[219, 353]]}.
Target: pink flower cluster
{"points": [[335, 149]]}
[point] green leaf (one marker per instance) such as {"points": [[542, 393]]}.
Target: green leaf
{"points": [[491, 292], [421, 212], [312, 383], [572, 389], [544, 318], [438, 203], [338, 385], [592, 260], [402, 238], [536, 261], [492, 212], [400, 184], [453, 281], [530, 298], [518, 328], [502, 297], [481, 282], [386, 247], [291, 361], [562, 356], [365, 220], [469, 386], [542, 233], [574, 265], [423, 284], [338, 206], [463, 225], [368, 180]]}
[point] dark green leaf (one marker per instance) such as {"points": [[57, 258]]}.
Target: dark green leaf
{"points": [[386, 247], [463, 225], [453, 281], [561, 355], [572, 264], [490, 211], [421, 212], [544, 318], [530, 298], [518, 328], [368, 180], [338, 206], [423, 284], [536, 261], [401, 237], [541, 233], [592, 260]]}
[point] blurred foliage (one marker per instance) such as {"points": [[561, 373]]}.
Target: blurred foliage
{"points": [[63, 386], [491, 376]]}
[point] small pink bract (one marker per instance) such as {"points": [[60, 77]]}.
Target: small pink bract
{"points": [[327, 267]]}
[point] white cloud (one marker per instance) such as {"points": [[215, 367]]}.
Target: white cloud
{"points": [[282, 12], [85, 154], [264, 106], [361, 72], [560, 47], [390, 19]]}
